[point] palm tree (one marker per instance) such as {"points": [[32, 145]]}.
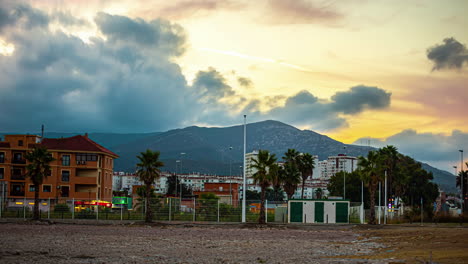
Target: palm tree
{"points": [[148, 171], [277, 179], [263, 164], [291, 155], [463, 175], [291, 178], [38, 168], [390, 158], [370, 170], [306, 166]]}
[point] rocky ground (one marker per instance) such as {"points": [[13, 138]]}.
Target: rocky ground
{"points": [[33, 242]]}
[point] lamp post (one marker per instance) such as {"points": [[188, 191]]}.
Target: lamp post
{"points": [[456, 172], [462, 180], [180, 184], [244, 188], [230, 175]]}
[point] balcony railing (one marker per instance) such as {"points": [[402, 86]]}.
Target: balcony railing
{"points": [[18, 161], [18, 177]]}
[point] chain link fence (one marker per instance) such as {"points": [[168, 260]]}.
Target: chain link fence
{"points": [[163, 209]]}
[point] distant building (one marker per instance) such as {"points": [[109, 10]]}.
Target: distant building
{"points": [[340, 163], [82, 168], [227, 193]]}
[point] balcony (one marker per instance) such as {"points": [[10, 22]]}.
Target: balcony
{"points": [[17, 175], [18, 161]]}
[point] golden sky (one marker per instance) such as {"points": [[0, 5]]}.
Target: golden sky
{"points": [[323, 47]]}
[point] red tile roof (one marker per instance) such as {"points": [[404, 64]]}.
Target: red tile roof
{"points": [[4, 144], [77, 143]]}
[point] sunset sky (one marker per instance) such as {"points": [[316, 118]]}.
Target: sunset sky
{"points": [[353, 70]]}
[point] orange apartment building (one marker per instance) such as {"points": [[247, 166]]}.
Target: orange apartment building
{"points": [[82, 168], [228, 193]]}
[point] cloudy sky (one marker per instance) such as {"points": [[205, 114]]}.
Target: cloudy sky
{"points": [[354, 70]]}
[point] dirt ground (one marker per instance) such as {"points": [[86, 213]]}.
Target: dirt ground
{"points": [[67, 243], [416, 244]]}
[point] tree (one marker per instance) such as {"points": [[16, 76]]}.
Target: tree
{"points": [[353, 185], [173, 182], [291, 178], [370, 169], [463, 176], [306, 166], [291, 156], [319, 193], [263, 177], [277, 180], [148, 171], [38, 168], [390, 157]]}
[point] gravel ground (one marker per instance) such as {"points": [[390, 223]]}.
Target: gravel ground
{"points": [[66, 243]]}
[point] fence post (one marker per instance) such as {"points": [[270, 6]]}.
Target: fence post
{"points": [[121, 212], [170, 206], [97, 210], [362, 213], [73, 208], [266, 211], [218, 210], [24, 207], [1, 202], [194, 206], [48, 213]]}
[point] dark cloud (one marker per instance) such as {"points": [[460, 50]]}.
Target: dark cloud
{"points": [[359, 98], [120, 84], [438, 149], [245, 82], [302, 12], [157, 34], [449, 55], [22, 15], [211, 85]]}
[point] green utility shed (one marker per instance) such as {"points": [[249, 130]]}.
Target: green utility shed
{"points": [[318, 211]]}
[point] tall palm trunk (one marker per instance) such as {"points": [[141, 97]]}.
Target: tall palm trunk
{"points": [[372, 190], [149, 213], [261, 219], [36, 215]]}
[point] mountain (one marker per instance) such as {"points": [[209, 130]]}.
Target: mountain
{"points": [[207, 150]]}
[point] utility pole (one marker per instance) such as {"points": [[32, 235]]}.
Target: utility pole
{"points": [[244, 188]]}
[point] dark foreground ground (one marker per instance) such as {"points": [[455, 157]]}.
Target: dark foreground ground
{"points": [[71, 243]]}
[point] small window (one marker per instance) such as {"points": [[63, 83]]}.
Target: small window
{"points": [[32, 188], [2, 173], [20, 143], [65, 176], [65, 191], [66, 160], [2, 157], [46, 188]]}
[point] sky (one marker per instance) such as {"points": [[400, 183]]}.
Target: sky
{"points": [[359, 71]]}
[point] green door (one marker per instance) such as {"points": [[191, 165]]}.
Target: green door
{"points": [[341, 212], [296, 212], [319, 212]]}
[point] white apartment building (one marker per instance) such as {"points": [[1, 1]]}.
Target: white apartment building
{"points": [[340, 163]]}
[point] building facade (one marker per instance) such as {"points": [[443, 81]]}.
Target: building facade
{"points": [[82, 169]]}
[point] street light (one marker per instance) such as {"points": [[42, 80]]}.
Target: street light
{"points": [[244, 176], [462, 180], [230, 175]]}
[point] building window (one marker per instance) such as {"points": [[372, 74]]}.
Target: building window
{"points": [[32, 188], [17, 189], [2, 157], [20, 143], [18, 158], [46, 188], [86, 157], [17, 174], [66, 160], [2, 173], [65, 176], [65, 191]]}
